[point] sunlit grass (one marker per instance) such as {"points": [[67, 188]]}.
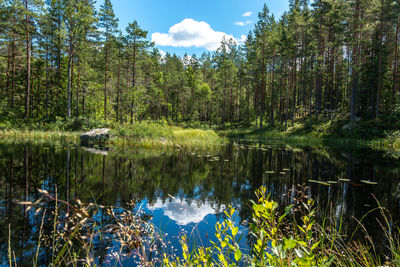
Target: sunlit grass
{"points": [[143, 135], [188, 139], [38, 137], [313, 138]]}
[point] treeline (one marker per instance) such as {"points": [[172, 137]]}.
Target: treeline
{"points": [[64, 58]]}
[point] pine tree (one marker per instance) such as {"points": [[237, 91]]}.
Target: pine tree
{"points": [[109, 26], [136, 43]]}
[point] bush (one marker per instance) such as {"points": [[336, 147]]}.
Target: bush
{"points": [[140, 130], [289, 238]]}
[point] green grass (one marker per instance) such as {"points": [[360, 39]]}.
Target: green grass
{"points": [[326, 133], [140, 134], [177, 138], [38, 137], [379, 134], [280, 236]]}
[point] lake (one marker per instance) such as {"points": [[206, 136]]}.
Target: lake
{"points": [[186, 192]]}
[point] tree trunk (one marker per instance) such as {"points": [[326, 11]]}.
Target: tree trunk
{"points": [[78, 88], [262, 87], [224, 98], [294, 90], [318, 91], [133, 77], [273, 92], [106, 77], [70, 56], [8, 73], [118, 86], [13, 71], [396, 61], [47, 84], [379, 88], [354, 70], [28, 64]]}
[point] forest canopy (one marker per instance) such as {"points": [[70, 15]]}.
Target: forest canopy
{"points": [[319, 60]]}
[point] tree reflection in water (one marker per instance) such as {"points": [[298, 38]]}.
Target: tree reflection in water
{"points": [[182, 190]]}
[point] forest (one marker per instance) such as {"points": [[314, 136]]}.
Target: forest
{"points": [[289, 138], [325, 61]]}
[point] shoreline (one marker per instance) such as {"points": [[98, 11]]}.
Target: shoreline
{"points": [[198, 139]]}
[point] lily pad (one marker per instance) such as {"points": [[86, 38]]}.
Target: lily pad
{"points": [[368, 182], [319, 182]]}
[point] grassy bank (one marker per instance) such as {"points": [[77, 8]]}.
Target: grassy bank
{"points": [[374, 134], [378, 134], [139, 134]]}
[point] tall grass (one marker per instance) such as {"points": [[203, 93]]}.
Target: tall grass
{"points": [[151, 135], [291, 236], [278, 236], [139, 134], [38, 137], [79, 232]]}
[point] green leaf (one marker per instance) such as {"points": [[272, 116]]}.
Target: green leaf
{"points": [[315, 245], [282, 217], [238, 255], [235, 231], [289, 244], [223, 244]]}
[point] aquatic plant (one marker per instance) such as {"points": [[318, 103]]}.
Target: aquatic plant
{"points": [[79, 231]]}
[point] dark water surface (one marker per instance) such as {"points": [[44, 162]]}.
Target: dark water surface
{"points": [[187, 192]]}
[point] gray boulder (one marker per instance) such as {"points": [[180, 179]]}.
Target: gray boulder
{"points": [[95, 136], [95, 151], [351, 125]]}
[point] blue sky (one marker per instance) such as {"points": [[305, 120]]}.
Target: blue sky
{"points": [[193, 26]]}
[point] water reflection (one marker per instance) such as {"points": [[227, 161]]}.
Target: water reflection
{"points": [[181, 212], [185, 190]]}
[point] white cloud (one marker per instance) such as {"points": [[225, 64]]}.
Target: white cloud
{"points": [[183, 213], [243, 38], [247, 14], [162, 53], [188, 33], [242, 23]]}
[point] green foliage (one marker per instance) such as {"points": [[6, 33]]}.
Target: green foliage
{"points": [[289, 238], [299, 67], [280, 244], [140, 130], [224, 252]]}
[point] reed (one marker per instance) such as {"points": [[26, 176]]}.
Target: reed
{"points": [[278, 236], [139, 135], [38, 137]]}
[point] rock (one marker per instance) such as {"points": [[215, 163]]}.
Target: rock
{"points": [[95, 135], [95, 151], [350, 126]]}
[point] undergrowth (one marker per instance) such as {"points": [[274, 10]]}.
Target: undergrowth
{"points": [[278, 236]]}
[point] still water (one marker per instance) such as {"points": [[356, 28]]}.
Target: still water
{"points": [[186, 192]]}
